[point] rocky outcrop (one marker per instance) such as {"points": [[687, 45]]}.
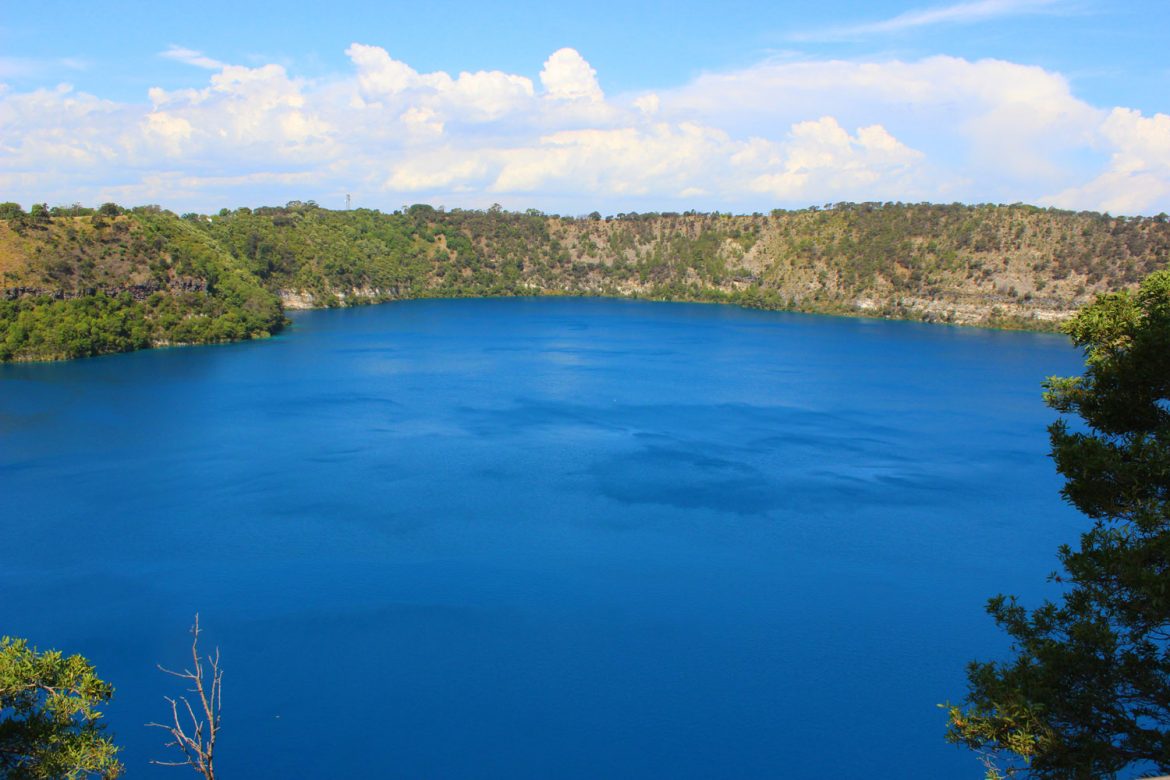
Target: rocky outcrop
{"points": [[138, 292]]}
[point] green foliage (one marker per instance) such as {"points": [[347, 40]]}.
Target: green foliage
{"points": [[131, 280], [365, 255], [49, 723], [51, 329], [45, 328], [885, 259], [1087, 694], [76, 210]]}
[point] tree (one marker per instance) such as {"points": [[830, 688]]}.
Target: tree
{"points": [[49, 724], [193, 733], [1087, 693]]}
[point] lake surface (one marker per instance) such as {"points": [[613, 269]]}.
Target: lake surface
{"points": [[540, 538]]}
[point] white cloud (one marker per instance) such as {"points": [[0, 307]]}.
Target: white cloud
{"points": [[170, 132], [1138, 174], [440, 169], [245, 114], [776, 134], [51, 130], [820, 159], [959, 13], [379, 74], [665, 160], [625, 161], [1010, 128], [648, 104], [191, 57], [487, 95], [567, 76], [480, 96], [422, 120]]}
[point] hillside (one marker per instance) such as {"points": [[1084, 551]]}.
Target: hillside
{"points": [[75, 286], [207, 278], [1009, 266]]}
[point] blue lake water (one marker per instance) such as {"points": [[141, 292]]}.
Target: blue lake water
{"points": [[540, 538]]}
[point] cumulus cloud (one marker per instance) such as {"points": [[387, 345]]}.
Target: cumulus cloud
{"points": [[821, 158], [244, 115], [457, 171], [58, 129], [648, 104], [687, 160], [422, 120], [1139, 168], [567, 76], [776, 134], [625, 161], [1011, 130], [480, 96]]}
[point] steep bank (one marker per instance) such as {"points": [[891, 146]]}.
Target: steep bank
{"points": [[218, 277]]}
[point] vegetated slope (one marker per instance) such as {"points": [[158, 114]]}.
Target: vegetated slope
{"points": [[1000, 265], [1006, 266], [86, 285]]}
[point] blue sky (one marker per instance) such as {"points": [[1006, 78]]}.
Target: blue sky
{"points": [[735, 106]]}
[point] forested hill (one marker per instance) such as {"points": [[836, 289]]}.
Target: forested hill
{"points": [[73, 285], [77, 281]]}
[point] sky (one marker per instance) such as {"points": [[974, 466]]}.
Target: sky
{"points": [[729, 106]]}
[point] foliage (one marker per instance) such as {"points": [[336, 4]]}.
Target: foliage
{"points": [[815, 259], [49, 723], [908, 261], [114, 281], [49, 329], [1087, 694]]}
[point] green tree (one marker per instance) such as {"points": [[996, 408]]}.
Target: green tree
{"points": [[49, 724], [1087, 693]]}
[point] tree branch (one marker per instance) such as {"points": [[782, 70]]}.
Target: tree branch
{"points": [[194, 734]]}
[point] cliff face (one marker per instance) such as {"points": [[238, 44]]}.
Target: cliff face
{"points": [[1009, 266], [1001, 266]]}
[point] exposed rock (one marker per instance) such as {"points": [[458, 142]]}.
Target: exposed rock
{"points": [[139, 292]]}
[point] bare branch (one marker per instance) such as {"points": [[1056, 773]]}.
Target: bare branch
{"points": [[193, 734]]}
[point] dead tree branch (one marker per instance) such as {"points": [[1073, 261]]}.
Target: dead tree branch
{"points": [[193, 729]]}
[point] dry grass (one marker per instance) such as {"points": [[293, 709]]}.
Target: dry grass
{"points": [[14, 257]]}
